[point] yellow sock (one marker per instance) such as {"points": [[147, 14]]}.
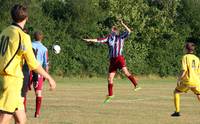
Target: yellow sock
{"points": [[177, 102]]}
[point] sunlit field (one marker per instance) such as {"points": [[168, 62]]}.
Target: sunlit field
{"points": [[80, 101]]}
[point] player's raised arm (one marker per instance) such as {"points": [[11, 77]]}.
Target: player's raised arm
{"points": [[99, 40], [91, 40], [127, 28]]}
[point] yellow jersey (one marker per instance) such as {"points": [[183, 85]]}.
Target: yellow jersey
{"points": [[15, 47], [191, 64]]}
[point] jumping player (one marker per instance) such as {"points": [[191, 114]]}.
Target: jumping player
{"points": [[115, 42], [15, 47], [41, 54], [189, 77]]}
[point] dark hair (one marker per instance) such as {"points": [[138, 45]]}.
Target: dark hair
{"points": [[19, 13], [190, 46], [38, 36], [114, 28]]}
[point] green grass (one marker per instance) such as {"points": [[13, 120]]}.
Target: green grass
{"points": [[80, 101]]}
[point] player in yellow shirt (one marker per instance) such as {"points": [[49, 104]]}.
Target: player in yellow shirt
{"points": [[189, 78], [15, 47]]}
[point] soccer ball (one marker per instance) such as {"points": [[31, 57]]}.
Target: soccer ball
{"points": [[56, 49]]}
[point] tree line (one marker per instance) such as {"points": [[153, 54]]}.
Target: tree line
{"points": [[156, 45]]}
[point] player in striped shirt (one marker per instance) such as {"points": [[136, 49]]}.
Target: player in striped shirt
{"points": [[115, 42]]}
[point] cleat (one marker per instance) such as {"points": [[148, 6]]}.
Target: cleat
{"points": [[137, 88], [175, 114], [108, 98]]}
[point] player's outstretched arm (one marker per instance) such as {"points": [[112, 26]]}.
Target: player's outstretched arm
{"points": [[127, 28], [90, 40], [42, 72]]}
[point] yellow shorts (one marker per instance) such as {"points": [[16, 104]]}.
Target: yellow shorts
{"points": [[10, 94], [186, 87]]}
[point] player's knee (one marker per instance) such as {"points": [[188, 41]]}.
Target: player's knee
{"points": [[176, 91], [3, 121], [25, 120], [38, 93], [127, 73], [110, 80], [21, 121]]}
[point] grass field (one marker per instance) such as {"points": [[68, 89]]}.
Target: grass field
{"points": [[80, 101]]}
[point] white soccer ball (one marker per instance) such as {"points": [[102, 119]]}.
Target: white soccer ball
{"points": [[56, 49]]}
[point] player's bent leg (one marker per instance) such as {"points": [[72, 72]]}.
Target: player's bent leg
{"points": [[126, 72], [20, 117], [110, 87], [196, 91], [5, 118], [131, 78]]}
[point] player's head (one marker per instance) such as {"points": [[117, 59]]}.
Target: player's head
{"points": [[38, 36], [190, 47], [19, 13], [115, 30]]}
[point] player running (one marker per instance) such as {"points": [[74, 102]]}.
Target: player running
{"points": [[15, 47], [41, 54], [115, 42], [189, 77]]}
